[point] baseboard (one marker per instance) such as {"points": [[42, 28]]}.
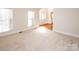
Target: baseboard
{"points": [[14, 31], [66, 33]]}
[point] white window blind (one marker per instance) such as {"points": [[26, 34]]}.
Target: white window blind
{"points": [[31, 17], [5, 20]]}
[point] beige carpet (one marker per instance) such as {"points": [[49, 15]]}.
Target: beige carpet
{"points": [[33, 40]]}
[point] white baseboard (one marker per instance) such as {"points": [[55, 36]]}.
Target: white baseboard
{"points": [[14, 31], [66, 33]]}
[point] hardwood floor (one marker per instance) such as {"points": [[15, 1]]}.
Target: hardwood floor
{"points": [[48, 26]]}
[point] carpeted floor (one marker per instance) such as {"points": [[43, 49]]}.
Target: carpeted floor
{"points": [[34, 40]]}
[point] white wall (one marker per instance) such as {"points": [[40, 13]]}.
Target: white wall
{"points": [[20, 19], [66, 20]]}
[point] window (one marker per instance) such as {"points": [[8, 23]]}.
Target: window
{"points": [[42, 15], [31, 17], [5, 20]]}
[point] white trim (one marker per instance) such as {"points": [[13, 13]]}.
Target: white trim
{"points": [[66, 33], [14, 31]]}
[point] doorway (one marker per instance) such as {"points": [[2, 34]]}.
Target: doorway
{"points": [[46, 18]]}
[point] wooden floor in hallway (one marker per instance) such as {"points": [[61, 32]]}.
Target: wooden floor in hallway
{"points": [[33, 40], [48, 26]]}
